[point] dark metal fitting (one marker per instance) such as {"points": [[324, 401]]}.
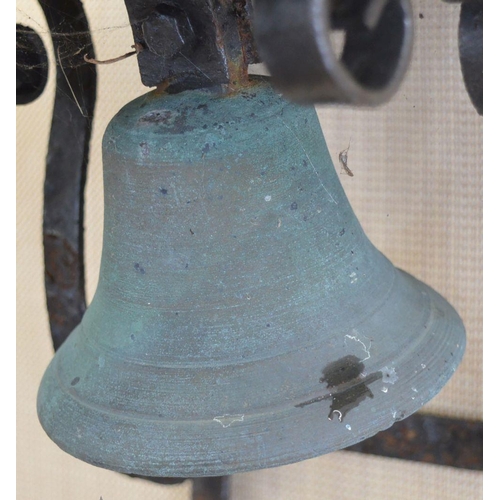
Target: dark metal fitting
{"points": [[189, 44], [167, 30], [294, 40]]}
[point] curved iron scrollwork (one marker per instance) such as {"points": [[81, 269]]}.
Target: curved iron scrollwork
{"points": [[470, 44], [294, 40], [66, 167], [31, 65]]}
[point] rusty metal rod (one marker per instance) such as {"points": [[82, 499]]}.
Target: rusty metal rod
{"points": [[430, 439]]}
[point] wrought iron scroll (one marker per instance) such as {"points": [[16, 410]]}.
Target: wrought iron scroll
{"points": [[66, 166], [470, 44], [31, 65]]}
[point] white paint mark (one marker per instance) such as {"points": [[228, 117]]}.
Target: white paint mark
{"points": [[348, 427], [384, 389], [389, 375], [414, 389], [227, 420], [332, 200], [423, 365], [356, 338], [279, 223], [394, 413], [354, 278], [267, 198], [175, 192], [330, 417]]}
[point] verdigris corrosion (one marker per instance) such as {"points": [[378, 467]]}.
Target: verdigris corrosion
{"points": [[235, 284]]}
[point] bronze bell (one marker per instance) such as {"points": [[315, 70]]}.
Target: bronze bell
{"points": [[242, 319]]}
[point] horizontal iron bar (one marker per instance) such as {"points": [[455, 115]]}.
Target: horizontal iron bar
{"points": [[430, 439]]}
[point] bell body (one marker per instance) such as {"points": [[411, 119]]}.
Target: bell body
{"points": [[242, 318]]}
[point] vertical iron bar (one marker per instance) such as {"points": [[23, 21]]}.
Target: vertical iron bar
{"points": [[211, 488], [67, 160]]}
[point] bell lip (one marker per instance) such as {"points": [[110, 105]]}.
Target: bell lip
{"points": [[50, 391]]}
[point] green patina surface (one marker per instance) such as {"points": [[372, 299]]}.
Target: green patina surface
{"points": [[235, 285]]}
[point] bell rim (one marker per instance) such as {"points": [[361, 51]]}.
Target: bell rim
{"points": [[200, 468]]}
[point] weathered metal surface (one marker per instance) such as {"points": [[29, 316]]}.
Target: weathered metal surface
{"points": [[430, 439], [67, 159], [31, 65], [294, 40], [235, 283], [192, 44]]}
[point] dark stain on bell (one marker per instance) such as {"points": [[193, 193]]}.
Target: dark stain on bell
{"points": [[347, 386], [174, 123], [203, 107], [139, 268], [163, 191], [75, 381], [342, 371], [157, 116]]}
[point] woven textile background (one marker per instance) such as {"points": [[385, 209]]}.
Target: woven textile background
{"points": [[416, 190]]}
